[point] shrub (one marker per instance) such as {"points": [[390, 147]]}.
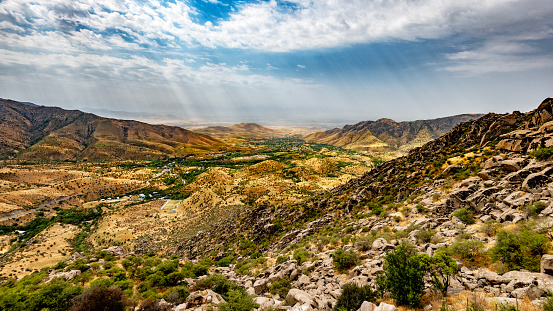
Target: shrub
{"points": [[535, 209], [343, 260], [177, 294], [225, 261], [352, 297], [464, 215], [219, 284], [301, 255], [238, 301], [174, 278], [425, 236], [55, 296], [280, 287], [542, 154], [363, 244], [468, 250], [281, 259], [490, 227], [403, 276], [521, 250], [100, 299]]}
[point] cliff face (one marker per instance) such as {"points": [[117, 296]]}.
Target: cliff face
{"points": [[49, 133], [388, 135]]}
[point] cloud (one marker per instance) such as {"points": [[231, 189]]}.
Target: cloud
{"points": [[301, 67]]}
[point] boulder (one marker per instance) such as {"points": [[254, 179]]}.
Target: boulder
{"points": [[117, 251], [68, 276], [259, 286], [198, 298], [298, 296], [535, 182], [385, 307], [367, 306], [546, 264]]}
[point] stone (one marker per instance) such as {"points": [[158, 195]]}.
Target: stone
{"points": [[68, 276], [367, 306], [546, 264], [385, 307], [534, 182], [303, 280], [303, 307], [117, 251], [297, 295], [259, 286]]}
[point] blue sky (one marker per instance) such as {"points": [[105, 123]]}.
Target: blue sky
{"points": [[279, 62]]}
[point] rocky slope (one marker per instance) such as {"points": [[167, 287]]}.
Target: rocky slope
{"points": [[483, 167], [388, 135], [49, 133]]}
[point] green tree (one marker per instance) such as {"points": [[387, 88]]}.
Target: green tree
{"points": [[403, 276], [441, 268]]}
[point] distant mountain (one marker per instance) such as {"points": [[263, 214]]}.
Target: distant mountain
{"points": [[240, 130], [29, 131], [387, 134]]}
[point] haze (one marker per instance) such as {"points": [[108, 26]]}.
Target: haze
{"points": [[278, 62]]}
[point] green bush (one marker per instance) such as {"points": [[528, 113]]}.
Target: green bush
{"points": [[343, 260], [281, 287], [490, 227], [177, 294], [219, 284], [352, 297], [467, 250], [281, 259], [522, 250], [542, 154], [238, 301], [464, 215], [425, 236], [535, 209], [55, 296], [403, 276], [301, 255]]}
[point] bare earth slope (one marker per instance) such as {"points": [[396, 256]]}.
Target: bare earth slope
{"points": [[388, 135], [240, 130], [51, 133]]}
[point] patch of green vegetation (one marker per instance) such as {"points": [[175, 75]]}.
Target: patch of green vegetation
{"points": [[344, 260], [464, 215], [542, 154], [520, 249], [352, 297]]}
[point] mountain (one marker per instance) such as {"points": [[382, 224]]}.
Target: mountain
{"points": [[36, 132], [387, 134], [240, 130], [487, 158]]}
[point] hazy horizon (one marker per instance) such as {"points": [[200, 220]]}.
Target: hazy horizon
{"points": [[272, 62]]}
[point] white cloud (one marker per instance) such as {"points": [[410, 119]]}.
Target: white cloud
{"points": [[301, 67]]}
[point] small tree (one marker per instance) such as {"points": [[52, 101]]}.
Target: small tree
{"points": [[403, 276], [441, 268], [100, 299]]}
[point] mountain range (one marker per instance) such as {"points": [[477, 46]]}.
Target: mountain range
{"points": [[387, 134], [240, 130], [35, 132]]}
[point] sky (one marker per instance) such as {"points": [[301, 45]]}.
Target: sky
{"points": [[279, 62]]}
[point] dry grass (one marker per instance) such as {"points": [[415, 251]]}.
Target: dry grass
{"points": [[45, 250]]}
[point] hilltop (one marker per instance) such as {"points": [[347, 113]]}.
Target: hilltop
{"points": [[388, 135], [34, 132]]}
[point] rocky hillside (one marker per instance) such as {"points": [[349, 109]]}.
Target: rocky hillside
{"points": [[49, 133], [479, 193], [388, 135]]}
